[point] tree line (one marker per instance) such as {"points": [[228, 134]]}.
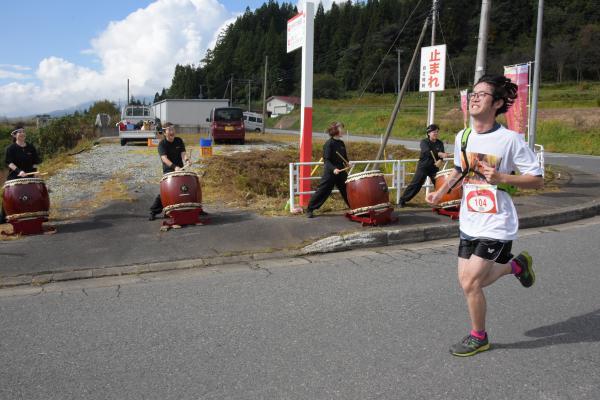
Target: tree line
{"points": [[357, 43]]}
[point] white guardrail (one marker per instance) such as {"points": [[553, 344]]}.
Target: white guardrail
{"points": [[397, 176]]}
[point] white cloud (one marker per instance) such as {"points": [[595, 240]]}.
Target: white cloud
{"points": [[15, 72], [145, 46], [15, 67], [4, 74]]}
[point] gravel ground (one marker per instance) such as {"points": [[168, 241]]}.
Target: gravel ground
{"points": [[76, 190]]}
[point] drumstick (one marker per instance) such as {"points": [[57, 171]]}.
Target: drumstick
{"points": [[189, 163], [434, 159], [36, 173], [315, 168], [342, 157]]}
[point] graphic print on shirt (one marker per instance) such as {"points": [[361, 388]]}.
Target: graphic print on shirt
{"points": [[480, 196]]}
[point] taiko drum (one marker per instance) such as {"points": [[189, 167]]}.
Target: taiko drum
{"points": [[451, 199], [25, 198], [180, 190], [367, 191]]}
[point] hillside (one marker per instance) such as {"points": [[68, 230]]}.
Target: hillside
{"points": [[356, 43]]}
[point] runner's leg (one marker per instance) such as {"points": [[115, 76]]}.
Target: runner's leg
{"points": [[472, 273]]}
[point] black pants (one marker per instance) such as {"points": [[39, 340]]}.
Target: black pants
{"points": [[2, 216], [328, 181], [157, 206], [418, 180]]}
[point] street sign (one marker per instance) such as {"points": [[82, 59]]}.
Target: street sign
{"points": [[295, 32], [432, 75]]}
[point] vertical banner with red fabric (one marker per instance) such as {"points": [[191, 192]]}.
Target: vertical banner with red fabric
{"points": [[464, 106], [516, 117]]}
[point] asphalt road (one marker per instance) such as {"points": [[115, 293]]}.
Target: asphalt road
{"points": [[370, 324], [586, 163]]}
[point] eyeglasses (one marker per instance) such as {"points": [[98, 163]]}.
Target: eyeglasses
{"points": [[478, 95]]}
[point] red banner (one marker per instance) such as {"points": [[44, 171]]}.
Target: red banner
{"points": [[464, 106], [516, 117]]}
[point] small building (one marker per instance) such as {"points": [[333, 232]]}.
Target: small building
{"points": [[42, 120], [278, 105], [188, 115]]}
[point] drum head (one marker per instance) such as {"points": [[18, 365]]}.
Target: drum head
{"points": [[364, 174], [23, 181], [178, 173]]}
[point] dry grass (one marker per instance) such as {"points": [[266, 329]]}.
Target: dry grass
{"points": [[258, 180]]}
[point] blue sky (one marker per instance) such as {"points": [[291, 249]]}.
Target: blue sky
{"points": [[33, 30], [57, 54]]}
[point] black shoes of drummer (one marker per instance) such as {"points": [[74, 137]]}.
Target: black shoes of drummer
{"points": [[527, 276], [309, 214], [152, 217], [470, 346]]}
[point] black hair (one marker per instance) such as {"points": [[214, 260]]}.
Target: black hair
{"points": [[18, 125], [431, 128], [504, 90]]}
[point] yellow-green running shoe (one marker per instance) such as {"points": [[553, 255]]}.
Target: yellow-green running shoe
{"points": [[470, 346], [527, 276]]}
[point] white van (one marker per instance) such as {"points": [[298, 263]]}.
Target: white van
{"points": [[253, 121]]}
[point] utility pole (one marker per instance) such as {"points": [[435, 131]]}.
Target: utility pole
{"points": [[127, 91], [536, 76], [482, 39], [431, 108], [249, 93], [231, 92], [399, 51], [264, 102]]}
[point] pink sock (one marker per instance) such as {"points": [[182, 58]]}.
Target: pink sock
{"points": [[478, 334], [516, 267]]}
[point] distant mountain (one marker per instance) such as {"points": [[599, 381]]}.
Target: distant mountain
{"points": [[79, 107], [84, 106]]}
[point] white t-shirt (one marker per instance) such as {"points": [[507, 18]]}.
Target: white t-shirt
{"points": [[508, 151]]}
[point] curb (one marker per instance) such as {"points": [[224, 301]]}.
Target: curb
{"points": [[445, 231], [254, 260], [351, 241]]}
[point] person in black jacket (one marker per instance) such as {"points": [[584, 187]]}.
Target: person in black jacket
{"points": [[335, 159], [173, 156], [20, 158], [432, 151]]}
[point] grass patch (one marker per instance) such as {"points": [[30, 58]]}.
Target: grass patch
{"points": [[568, 118], [560, 137], [259, 179]]}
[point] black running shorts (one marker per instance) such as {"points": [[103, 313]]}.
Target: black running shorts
{"points": [[489, 249]]}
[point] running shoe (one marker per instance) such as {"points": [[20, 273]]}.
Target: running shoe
{"points": [[527, 276], [470, 346]]}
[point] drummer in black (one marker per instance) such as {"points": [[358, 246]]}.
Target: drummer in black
{"points": [[20, 158], [335, 160], [432, 154], [173, 156]]}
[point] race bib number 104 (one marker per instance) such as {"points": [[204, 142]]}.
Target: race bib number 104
{"points": [[481, 198]]}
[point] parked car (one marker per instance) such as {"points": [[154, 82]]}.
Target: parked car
{"points": [[253, 121], [227, 124]]}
